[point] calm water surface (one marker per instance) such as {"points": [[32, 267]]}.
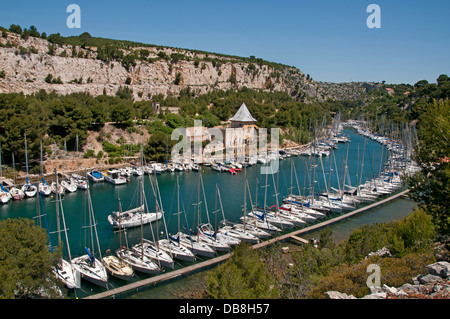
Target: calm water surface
{"points": [[105, 198]]}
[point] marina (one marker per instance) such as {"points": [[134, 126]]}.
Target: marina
{"points": [[190, 198], [217, 260]]}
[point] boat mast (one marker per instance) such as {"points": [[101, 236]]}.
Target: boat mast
{"points": [[204, 198], [362, 162], [26, 153], [120, 224], [244, 211], [198, 206], [178, 211], [160, 206], [141, 208], [41, 164], [14, 169], [58, 196], [76, 158]]}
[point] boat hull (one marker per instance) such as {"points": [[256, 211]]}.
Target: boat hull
{"points": [[94, 273], [95, 176]]}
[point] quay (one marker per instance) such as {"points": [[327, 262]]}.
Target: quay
{"points": [[214, 261]]}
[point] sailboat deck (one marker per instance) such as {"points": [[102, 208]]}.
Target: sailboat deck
{"points": [[213, 261]]}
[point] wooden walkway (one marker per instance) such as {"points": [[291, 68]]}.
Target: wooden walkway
{"points": [[213, 261]]}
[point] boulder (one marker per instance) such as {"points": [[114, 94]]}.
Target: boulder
{"points": [[408, 288], [390, 290], [377, 295], [441, 269], [338, 295], [383, 252], [428, 279], [376, 289]]}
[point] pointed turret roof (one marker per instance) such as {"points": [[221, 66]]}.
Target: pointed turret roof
{"points": [[243, 115]]}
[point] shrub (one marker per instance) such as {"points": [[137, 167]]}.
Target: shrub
{"points": [[365, 240], [352, 279], [48, 78], [99, 155], [177, 79], [109, 147], [89, 153], [244, 275], [416, 232]]}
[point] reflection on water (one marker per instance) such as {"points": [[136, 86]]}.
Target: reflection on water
{"points": [[301, 179]]}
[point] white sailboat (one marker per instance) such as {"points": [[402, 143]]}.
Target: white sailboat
{"points": [[80, 181], [172, 245], [56, 188], [126, 171], [240, 232], [136, 257], [16, 193], [90, 267], [206, 234], [5, 196], [137, 171], [189, 240], [150, 248], [138, 261], [272, 218], [133, 217], [152, 251], [65, 270], [77, 179], [194, 244], [209, 232], [116, 266], [43, 187], [69, 186], [218, 241], [29, 189]]}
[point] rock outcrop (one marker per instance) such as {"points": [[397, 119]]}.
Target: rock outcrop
{"points": [[26, 64]]}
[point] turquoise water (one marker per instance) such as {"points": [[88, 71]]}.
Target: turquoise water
{"points": [[105, 196]]}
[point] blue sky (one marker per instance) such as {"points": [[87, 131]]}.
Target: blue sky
{"points": [[327, 39]]}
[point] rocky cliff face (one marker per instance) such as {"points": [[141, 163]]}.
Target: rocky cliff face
{"points": [[26, 64]]}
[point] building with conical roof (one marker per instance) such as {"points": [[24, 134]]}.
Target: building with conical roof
{"points": [[242, 118], [244, 131]]}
